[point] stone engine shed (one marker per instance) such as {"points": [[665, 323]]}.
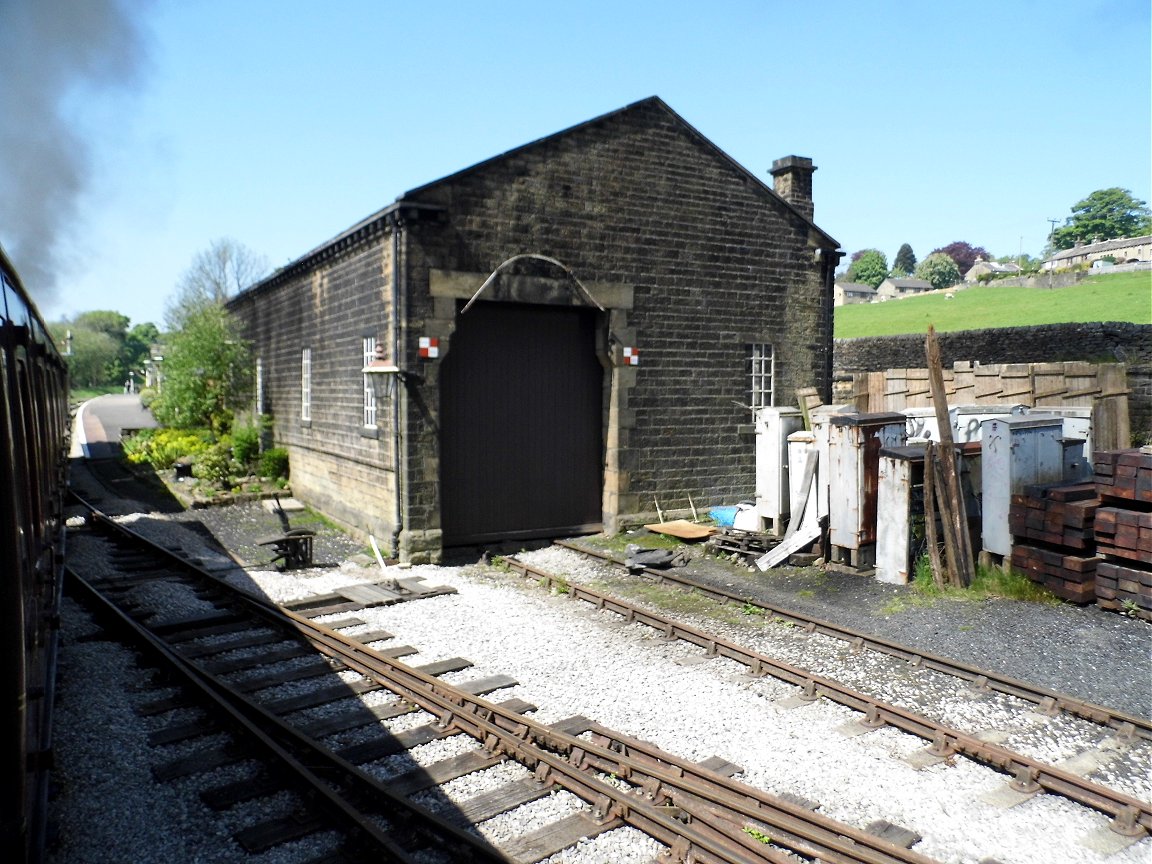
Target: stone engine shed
{"points": [[570, 337]]}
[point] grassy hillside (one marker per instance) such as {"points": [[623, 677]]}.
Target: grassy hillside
{"points": [[1115, 297]]}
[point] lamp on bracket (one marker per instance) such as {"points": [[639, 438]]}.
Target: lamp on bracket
{"points": [[383, 370], [381, 364]]}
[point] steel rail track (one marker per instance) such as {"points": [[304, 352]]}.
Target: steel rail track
{"points": [[566, 759], [310, 765], [1048, 701], [700, 815], [1129, 816]]}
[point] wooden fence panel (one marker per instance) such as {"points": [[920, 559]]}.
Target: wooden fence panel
{"points": [[1103, 386]]}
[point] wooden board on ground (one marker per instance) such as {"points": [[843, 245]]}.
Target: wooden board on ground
{"points": [[805, 536], [683, 529]]}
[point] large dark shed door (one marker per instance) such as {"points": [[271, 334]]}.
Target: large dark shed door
{"points": [[520, 431]]}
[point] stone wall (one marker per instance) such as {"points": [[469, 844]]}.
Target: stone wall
{"points": [[1066, 278], [691, 257], [712, 260], [337, 464], [1106, 342]]}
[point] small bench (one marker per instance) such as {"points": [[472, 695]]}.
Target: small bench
{"points": [[294, 548]]}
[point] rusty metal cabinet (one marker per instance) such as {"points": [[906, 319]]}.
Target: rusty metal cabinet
{"points": [[854, 445]]}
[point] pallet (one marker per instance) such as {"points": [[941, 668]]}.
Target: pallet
{"points": [[750, 544]]}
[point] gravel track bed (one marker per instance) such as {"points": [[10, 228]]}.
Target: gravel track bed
{"points": [[571, 659]]}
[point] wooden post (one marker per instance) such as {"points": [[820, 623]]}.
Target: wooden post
{"points": [[960, 557], [930, 514], [947, 524]]}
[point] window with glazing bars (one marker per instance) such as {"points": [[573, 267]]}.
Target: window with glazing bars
{"points": [[763, 375], [369, 392], [259, 385], [306, 384]]}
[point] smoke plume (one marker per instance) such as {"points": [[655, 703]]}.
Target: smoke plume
{"points": [[53, 55]]}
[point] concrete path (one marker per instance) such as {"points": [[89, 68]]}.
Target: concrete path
{"points": [[100, 422]]}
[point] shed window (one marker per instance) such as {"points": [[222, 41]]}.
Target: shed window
{"points": [[369, 392], [306, 384], [259, 385], [763, 375]]}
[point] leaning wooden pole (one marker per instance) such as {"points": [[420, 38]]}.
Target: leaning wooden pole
{"points": [[960, 558], [930, 515]]}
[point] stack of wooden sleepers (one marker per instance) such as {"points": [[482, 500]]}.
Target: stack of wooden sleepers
{"points": [[1053, 542], [1124, 531]]}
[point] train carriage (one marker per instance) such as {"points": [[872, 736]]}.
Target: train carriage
{"points": [[33, 480]]}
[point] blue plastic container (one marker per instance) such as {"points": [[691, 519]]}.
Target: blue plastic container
{"points": [[724, 516]]}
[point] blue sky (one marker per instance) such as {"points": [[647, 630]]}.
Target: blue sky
{"points": [[280, 123]]}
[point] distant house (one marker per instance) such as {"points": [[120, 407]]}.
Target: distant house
{"points": [[893, 288], [844, 293], [1124, 250], [990, 268]]}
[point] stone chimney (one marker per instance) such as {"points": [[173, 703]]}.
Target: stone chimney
{"points": [[792, 180]]}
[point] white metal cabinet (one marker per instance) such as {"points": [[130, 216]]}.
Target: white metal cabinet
{"points": [[900, 512], [1015, 452], [773, 475]]}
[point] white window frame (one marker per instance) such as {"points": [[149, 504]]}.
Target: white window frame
{"points": [[369, 387], [762, 369], [260, 385], [306, 384]]}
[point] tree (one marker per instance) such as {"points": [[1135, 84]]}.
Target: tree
{"points": [[205, 372], [102, 349], [137, 348], [868, 267], [939, 269], [964, 254], [92, 356], [905, 262], [103, 321], [221, 271], [1104, 215], [1027, 263]]}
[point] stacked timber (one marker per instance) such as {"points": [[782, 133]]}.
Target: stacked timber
{"points": [[1124, 531], [1053, 541]]}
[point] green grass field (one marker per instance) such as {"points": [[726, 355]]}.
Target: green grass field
{"points": [[1116, 297]]}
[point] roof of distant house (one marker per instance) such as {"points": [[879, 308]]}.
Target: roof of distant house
{"points": [[855, 288], [903, 283], [997, 266], [1103, 246]]}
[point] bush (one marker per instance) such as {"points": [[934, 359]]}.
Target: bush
{"points": [[274, 463], [161, 448], [215, 465], [246, 445]]}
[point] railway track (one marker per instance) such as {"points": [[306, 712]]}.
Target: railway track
{"points": [[1046, 701], [273, 676], [1130, 817]]}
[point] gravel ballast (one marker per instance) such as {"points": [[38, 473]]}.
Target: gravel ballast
{"points": [[571, 659]]}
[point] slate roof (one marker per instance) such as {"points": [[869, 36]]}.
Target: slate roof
{"points": [[909, 284], [1104, 246]]}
